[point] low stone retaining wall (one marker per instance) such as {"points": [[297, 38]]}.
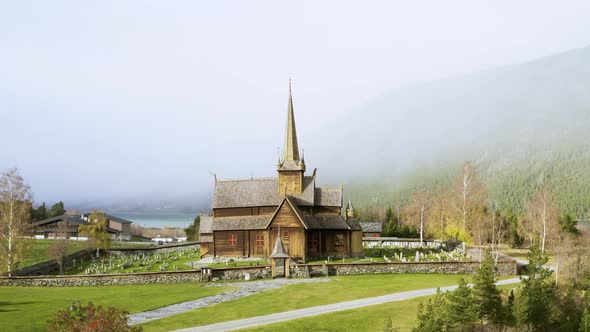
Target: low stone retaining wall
{"points": [[104, 279], [158, 249], [240, 273], [312, 270], [254, 272]]}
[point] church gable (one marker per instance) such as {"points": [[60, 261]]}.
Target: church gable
{"points": [[287, 216]]}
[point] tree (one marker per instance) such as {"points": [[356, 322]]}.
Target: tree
{"points": [[534, 308], [487, 296], [420, 202], [468, 199], [97, 232], [462, 309], [60, 246], [514, 238], [585, 322], [569, 225], [439, 213], [90, 318], [388, 325], [543, 215], [15, 198], [41, 212], [192, 231], [57, 210], [434, 316]]}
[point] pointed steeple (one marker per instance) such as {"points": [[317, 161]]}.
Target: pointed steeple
{"points": [[291, 152]]}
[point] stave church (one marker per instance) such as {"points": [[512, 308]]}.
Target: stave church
{"points": [[249, 214]]}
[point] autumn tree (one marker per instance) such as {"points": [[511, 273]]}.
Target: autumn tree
{"points": [[97, 231], [439, 213], [418, 208], [543, 216], [60, 246], [15, 200], [468, 195]]}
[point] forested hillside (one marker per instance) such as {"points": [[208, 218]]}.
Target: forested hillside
{"points": [[519, 125]]}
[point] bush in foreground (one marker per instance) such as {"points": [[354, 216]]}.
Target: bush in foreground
{"points": [[89, 318]]}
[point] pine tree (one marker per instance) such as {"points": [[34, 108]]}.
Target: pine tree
{"points": [[434, 316], [462, 309], [534, 307], [487, 296], [585, 322]]}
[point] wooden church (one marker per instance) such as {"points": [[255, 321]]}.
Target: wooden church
{"points": [[247, 214]]}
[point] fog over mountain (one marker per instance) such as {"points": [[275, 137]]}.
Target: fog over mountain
{"points": [[533, 116]]}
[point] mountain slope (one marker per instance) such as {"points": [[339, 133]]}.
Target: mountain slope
{"points": [[517, 123]]}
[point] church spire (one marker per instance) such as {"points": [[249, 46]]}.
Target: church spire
{"points": [[291, 152]]}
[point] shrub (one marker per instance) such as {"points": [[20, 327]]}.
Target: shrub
{"points": [[91, 318]]}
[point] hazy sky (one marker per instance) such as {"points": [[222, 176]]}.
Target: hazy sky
{"points": [[136, 99]]}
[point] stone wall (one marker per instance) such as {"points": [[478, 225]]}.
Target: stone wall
{"points": [[241, 273], [104, 279], [157, 249], [255, 272], [312, 270]]}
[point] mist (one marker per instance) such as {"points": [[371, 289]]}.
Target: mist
{"points": [[140, 103]]}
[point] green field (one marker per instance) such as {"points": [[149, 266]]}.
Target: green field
{"points": [[342, 288], [372, 318], [29, 308], [38, 250]]}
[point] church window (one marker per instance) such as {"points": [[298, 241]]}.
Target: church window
{"points": [[285, 236], [232, 240], [260, 240]]}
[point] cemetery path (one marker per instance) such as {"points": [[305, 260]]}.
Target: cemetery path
{"points": [[244, 289], [323, 309]]}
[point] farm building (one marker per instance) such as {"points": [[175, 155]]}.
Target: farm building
{"points": [[49, 228], [248, 213]]}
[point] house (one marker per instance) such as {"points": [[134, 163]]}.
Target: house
{"points": [[371, 228], [54, 227], [248, 213]]}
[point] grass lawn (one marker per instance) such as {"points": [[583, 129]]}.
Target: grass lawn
{"points": [[372, 318], [342, 288], [29, 308], [38, 250]]}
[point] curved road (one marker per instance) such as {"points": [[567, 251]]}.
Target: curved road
{"points": [[324, 309]]}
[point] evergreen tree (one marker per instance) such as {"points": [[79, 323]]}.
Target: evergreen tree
{"points": [[192, 231], [569, 225], [57, 210], [434, 316], [514, 239], [534, 307], [41, 212], [507, 315], [461, 307], [585, 322], [486, 295]]}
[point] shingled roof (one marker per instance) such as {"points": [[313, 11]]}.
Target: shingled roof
{"points": [[371, 226], [206, 225], [264, 192], [239, 223]]}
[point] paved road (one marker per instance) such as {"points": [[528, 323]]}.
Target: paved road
{"points": [[313, 311], [244, 289]]}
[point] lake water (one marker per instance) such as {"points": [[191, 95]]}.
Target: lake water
{"points": [[158, 219]]}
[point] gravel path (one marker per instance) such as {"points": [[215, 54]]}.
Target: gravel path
{"points": [[318, 310], [245, 289]]}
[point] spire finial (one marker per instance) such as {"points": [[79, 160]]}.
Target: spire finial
{"points": [[291, 152]]}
